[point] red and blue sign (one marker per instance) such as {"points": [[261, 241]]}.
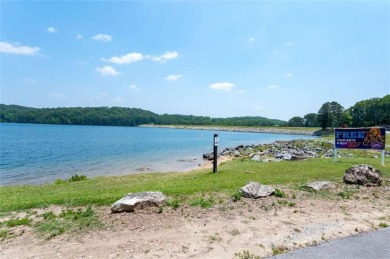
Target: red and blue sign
{"points": [[360, 138]]}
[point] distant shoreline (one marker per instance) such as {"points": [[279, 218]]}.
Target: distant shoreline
{"points": [[270, 130]]}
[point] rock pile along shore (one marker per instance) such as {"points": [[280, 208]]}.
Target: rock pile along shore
{"points": [[240, 129], [284, 150]]}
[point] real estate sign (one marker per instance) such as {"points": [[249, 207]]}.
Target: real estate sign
{"points": [[360, 138]]}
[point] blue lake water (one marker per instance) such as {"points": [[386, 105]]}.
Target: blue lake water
{"points": [[35, 154]]}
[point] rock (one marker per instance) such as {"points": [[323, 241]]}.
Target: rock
{"points": [[236, 153], [256, 190], [139, 200], [295, 157], [256, 158], [363, 175], [319, 185]]}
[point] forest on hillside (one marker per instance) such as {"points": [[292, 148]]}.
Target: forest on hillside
{"points": [[365, 113], [118, 116]]}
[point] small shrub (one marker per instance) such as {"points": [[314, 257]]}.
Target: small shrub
{"points": [[279, 193], [3, 234], [236, 196], [347, 194], [383, 225], [77, 177], [174, 204], [246, 255], [276, 250], [291, 204], [202, 203], [49, 215]]}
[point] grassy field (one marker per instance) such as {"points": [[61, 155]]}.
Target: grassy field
{"points": [[230, 177]]}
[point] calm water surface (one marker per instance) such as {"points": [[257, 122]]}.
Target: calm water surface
{"points": [[34, 154]]}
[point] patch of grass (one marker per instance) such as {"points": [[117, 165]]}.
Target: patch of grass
{"points": [[291, 204], [173, 203], [3, 234], [67, 220], [201, 202], [347, 194], [279, 193], [236, 196], [276, 250], [246, 255], [383, 225], [17, 222]]}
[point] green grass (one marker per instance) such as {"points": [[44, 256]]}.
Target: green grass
{"points": [[67, 220], [230, 177], [17, 222]]}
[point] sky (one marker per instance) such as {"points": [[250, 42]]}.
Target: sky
{"points": [[275, 59]]}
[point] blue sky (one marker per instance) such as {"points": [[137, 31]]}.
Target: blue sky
{"points": [[276, 59]]}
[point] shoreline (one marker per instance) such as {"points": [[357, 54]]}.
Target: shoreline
{"points": [[248, 129]]}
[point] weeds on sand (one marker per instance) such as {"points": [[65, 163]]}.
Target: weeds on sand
{"points": [[276, 250], [383, 225], [68, 220], [17, 222], [246, 255], [201, 202]]}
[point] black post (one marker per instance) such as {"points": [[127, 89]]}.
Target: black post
{"points": [[215, 162]]}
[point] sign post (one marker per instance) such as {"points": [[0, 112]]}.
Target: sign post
{"points": [[215, 162], [360, 138]]}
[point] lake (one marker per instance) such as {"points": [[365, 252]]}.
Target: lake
{"points": [[36, 154]]}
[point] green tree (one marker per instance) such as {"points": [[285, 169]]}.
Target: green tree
{"points": [[296, 122], [330, 115], [310, 120]]}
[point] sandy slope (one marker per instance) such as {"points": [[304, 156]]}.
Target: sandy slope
{"points": [[258, 226]]}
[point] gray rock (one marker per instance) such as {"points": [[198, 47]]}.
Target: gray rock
{"points": [[319, 185], [138, 200], [256, 190], [256, 158], [363, 175]]}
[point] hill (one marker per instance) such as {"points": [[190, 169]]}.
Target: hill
{"points": [[118, 116]]}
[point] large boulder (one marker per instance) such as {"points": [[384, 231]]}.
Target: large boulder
{"points": [[138, 200], [256, 190], [363, 175]]}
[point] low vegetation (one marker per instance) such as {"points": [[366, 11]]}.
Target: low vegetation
{"points": [[230, 177]]}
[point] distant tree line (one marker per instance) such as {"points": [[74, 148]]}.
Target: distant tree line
{"points": [[366, 113], [118, 116]]}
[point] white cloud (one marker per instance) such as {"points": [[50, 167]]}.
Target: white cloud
{"points": [[226, 86], [79, 36], [241, 92], [272, 86], [133, 87], [102, 37], [275, 52], [107, 71], [252, 39], [52, 29], [126, 59], [289, 44], [173, 77], [18, 49], [289, 74], [168, 55]]}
